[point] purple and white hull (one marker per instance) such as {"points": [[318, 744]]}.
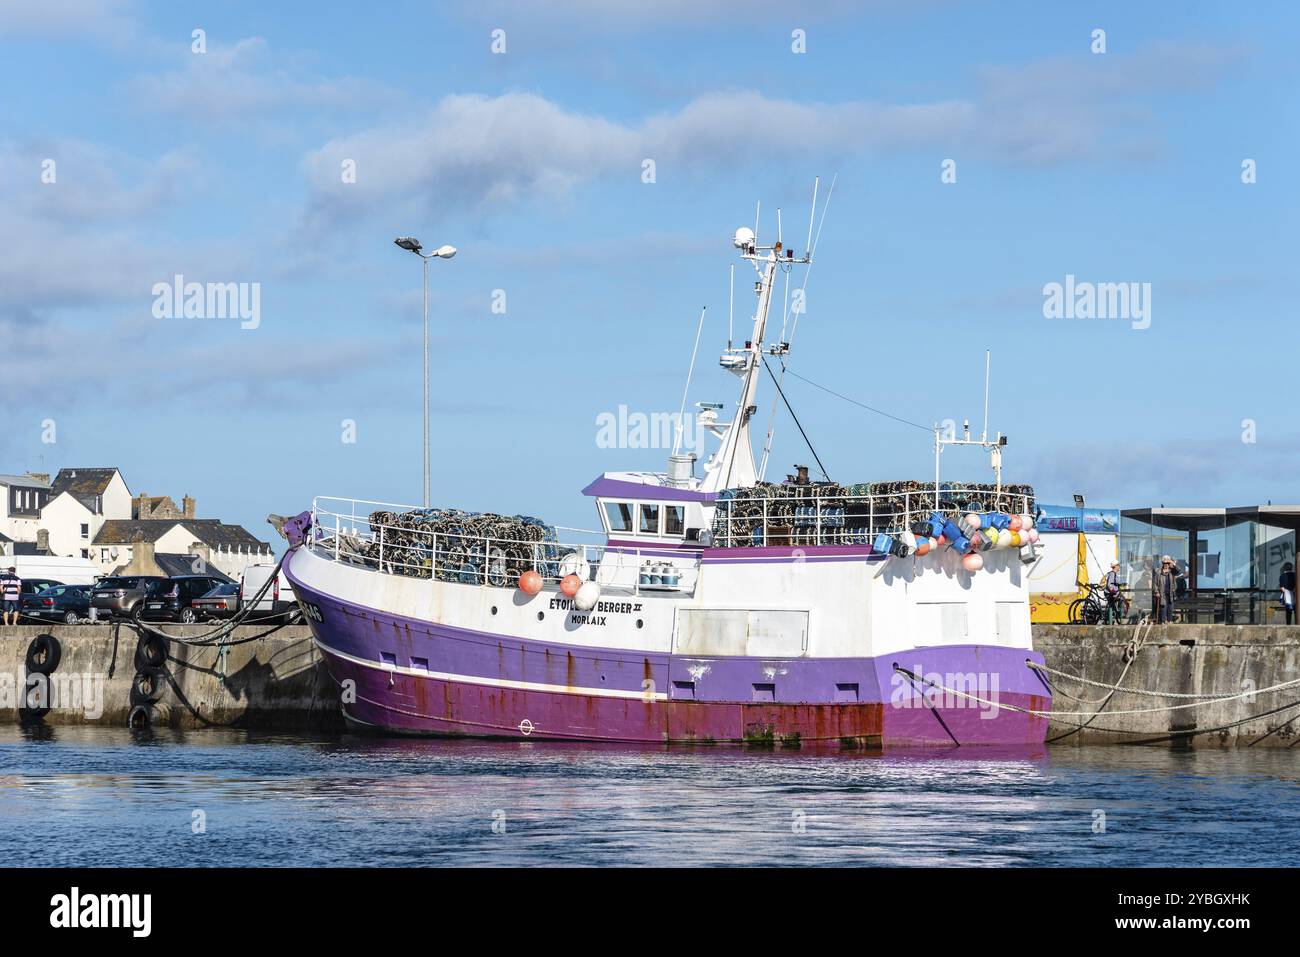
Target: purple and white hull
{"points": [[407, 675]]}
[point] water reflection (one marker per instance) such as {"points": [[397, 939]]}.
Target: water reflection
{"points": [[102, 794]]}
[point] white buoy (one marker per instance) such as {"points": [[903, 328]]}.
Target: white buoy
{"points": [[587, 596]]}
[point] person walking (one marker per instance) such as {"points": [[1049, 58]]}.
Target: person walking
{"points": [[1114, 598], [1162, 591], [11, 590], [1286, 582]]}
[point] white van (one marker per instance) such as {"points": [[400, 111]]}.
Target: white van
{"points": [[69, 571], [279, 599]]}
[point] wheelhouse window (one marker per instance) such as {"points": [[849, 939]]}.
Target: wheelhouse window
{"points": [[674, 519], [619, 516], [649, 524]]}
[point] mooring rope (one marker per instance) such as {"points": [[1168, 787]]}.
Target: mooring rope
{"points": [[1130, 655], [1089, 714], [1151, 694], [217, 635]]}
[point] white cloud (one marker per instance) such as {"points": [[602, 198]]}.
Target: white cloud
{"points": [[111, 19], [248, 77], [477, 151]]}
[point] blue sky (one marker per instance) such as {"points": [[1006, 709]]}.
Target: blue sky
{"points": [[224, 166]]}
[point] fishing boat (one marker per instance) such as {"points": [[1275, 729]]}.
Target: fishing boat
{"points": [[711, 608]]}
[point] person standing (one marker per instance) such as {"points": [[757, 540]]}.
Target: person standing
{"points": [[1286, 582], [11, 590], [1114, 598], [1163, 587]]}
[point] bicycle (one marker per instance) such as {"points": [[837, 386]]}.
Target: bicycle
{"points": [[1092, 608]]}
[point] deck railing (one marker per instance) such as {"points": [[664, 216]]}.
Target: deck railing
{"points": [[783, 515], [343, 532]]}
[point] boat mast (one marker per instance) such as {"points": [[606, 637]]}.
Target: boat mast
{"points": [[732, 466]]}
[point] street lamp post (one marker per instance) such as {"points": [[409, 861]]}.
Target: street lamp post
{"points": [[411, 244]]}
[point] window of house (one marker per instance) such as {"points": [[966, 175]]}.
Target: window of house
{"points": [[85, 553], [619, 516], [103, 554], [85, 530], [649, 524], [674, 519]]}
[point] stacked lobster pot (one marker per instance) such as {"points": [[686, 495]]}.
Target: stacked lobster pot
{"points": [[788, 513], [892, 517], [458, 546]]}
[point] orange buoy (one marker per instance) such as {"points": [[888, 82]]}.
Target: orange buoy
{"points": [[923, 546], [530, 583], [972, 562], [1015, 523], [569, 585]]}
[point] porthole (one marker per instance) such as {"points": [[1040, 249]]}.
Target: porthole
{"points": [[640, 623], [541, 615], [494, 609]]}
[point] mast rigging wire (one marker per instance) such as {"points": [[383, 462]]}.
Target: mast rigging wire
{"points": [[863, 405], [781, 392]]}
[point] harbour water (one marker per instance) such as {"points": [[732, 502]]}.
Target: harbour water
{"points": [[99, 796]]}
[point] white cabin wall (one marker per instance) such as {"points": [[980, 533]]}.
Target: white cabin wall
{"points": [[835, 595], [906, 592]]}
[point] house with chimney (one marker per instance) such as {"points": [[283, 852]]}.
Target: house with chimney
{"points": [[79, 502], [214, 544], [90, 513], [22, 497]]}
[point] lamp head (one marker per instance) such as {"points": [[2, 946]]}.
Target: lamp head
{"points": [[445, 252], [409, 243]]}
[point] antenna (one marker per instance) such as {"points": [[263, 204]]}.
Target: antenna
{"points": [[994, 445], [731, 305], [985, 434], [757, 209], [681, 413], [812, 211]]}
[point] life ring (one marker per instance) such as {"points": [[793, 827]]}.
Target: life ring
{"points": [[43, 655], [150, 653]]}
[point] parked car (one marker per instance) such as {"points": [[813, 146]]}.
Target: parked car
{"points": [[279, 600], [123, 596], [220, 602], [175, 602], [66, 603], [34, 586]]}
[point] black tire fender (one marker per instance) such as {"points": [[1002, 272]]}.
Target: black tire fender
{"points": [[149, 685], [150, 653], [35, 697], [140, 718], [43, 655]]}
